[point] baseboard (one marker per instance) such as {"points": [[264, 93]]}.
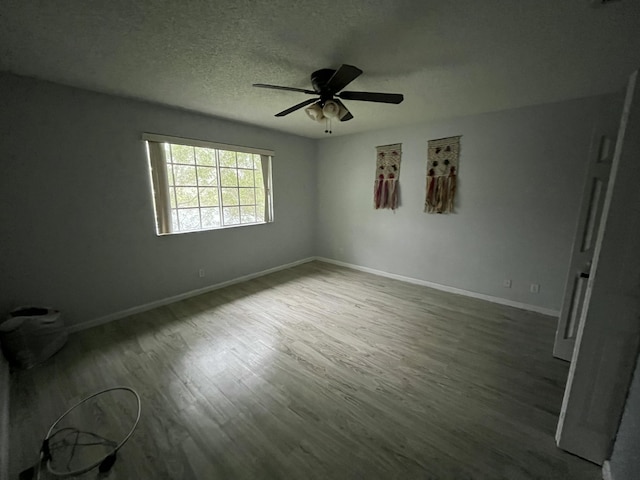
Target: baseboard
{"points": [[165, 301], [176, 298], [4, 418], [606, 471], [445, 288]]}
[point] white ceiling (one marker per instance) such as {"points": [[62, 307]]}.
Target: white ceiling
{"points": [[448, 57]]}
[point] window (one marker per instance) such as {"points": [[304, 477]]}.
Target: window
{"points": [[202, 186]]}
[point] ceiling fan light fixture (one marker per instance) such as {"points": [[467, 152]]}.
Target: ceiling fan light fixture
{"points": [[314, 112], [331, 109]]}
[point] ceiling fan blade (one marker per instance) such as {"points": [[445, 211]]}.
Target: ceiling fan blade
{"points": [[296, 107], [289, 89], [373, 97], [347, 116], [342, 77]]}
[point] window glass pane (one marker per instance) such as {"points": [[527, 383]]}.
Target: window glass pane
{"points": [[206, 156], [174, 219], [187, 197], [245, 178], [245, 160], [260, 213], [248, 214], [260, 195], [228, 177], [189, 219], [209, 188], [230, 196], [231, 215], [227, 159], [182, 154], [247, 196], [259, 179], [185, 175], [207, 176], [208, 197], [210, 217]]}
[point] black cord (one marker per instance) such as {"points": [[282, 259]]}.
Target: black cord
{"points": [[107, 462], [73, 450], [48, 446], [46, 452], [105, 441]]}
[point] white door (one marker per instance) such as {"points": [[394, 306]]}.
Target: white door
{"points": [[600, 157], [609, 327]]}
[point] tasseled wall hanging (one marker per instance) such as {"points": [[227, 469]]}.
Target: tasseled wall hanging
{"points": [[442, 170], [385, 188]]}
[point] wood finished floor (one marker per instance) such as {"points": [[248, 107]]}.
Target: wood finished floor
{"points": [[317, 372]]}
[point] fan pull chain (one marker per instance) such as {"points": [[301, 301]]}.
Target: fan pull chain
{"points": [[327, 127]]}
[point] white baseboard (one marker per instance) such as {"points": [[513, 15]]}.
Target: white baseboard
{"points": [[165, 301], [4, 418], [445, 288], [606, 471]]}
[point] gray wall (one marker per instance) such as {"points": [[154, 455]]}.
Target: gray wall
{"points": [[76, 213], [521, 178], [4, 418], [625, 461]]}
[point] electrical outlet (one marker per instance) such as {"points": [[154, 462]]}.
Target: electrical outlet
{"points": [[535, 288], [201, 272], [506, 283]]}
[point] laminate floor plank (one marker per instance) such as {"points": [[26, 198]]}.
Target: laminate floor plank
{"points": [[316, 372]]}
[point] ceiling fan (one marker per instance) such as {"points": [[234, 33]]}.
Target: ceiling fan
{"points": [[327, 85]]}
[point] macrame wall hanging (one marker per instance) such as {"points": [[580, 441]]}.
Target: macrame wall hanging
{"points": [[442, 170], [385, 188]]}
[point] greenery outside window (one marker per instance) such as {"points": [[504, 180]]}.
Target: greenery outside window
{"points": [[203, 186]]}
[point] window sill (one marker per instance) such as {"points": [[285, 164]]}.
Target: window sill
{"points": [[215, 229]]}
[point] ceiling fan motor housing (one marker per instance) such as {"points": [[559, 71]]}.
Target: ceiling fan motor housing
{"points": [[319, 80]]}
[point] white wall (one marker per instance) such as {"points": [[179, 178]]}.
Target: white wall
{"points": [[521, 177], [625, 461], [76, 214]]}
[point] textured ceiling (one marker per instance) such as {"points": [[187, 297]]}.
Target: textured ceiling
{"points": [[448, 57]]}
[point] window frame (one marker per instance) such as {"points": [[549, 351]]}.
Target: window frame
{"points": [[161, 190]]}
